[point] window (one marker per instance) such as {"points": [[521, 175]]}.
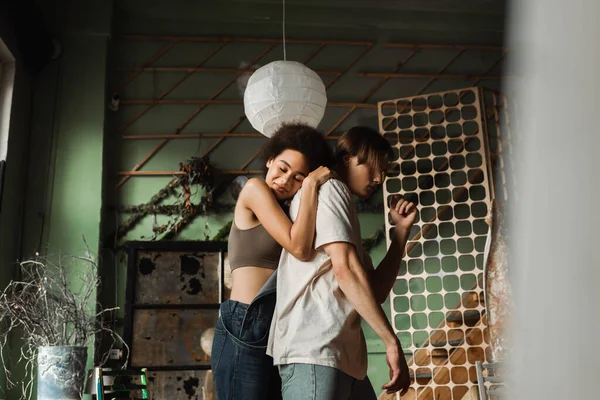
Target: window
{"points": [[7, 79]]}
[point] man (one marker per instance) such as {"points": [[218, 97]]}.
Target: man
{"points": [[316, 337]]}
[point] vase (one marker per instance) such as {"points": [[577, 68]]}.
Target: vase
{"points": [[61, 372]]}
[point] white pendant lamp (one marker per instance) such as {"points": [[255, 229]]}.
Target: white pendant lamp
{"points": [[284, 91]]}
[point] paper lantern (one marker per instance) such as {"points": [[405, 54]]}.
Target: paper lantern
{"points": [[284, 91]]}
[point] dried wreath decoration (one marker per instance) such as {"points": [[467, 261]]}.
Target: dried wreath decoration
{"points": [[197, 172], [49, 309]]}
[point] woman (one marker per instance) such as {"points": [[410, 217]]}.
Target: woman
{"points": [[260, 228]]}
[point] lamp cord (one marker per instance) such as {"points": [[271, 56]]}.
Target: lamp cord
{"points": [[284, 54]]}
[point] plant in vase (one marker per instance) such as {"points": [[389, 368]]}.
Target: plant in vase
{"points": [[53, 307]]}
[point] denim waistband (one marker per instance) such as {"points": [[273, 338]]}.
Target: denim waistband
{"points": [[249, 323], [258, 310]]}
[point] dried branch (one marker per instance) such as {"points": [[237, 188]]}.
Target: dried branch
{"points": [[54, 304]]}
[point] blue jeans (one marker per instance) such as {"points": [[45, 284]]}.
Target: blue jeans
{"points": [[317, 382], [241, 367]]}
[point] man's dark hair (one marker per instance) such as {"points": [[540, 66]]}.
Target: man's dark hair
{"points": [[367, 145]]}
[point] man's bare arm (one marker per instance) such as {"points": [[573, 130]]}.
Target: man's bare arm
{"points": [[355, 285], [403, 215], [383, 278]]}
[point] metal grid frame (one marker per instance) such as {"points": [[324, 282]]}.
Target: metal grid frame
{"points": [[319, 45], [501, 140], [444, 351], [133, 249]]}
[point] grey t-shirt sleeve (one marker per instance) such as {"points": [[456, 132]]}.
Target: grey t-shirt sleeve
{"points": [[334, 214]]}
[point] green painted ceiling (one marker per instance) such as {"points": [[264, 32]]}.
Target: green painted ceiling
{"points": [[439, 21]]}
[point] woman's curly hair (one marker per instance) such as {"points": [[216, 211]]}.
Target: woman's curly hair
{"points": [[302, 138]]}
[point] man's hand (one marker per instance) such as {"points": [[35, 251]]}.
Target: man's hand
{"points": [[399, 376], [403, 212]]}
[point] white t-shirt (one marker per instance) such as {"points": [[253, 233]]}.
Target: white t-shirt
{"points": [[314, 323]]}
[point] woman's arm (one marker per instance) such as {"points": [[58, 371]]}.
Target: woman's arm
{"points": [[296, 238]]}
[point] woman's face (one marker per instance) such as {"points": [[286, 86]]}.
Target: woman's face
{"points": [[286, 172]]}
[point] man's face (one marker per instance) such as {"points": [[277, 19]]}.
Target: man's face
{"points": [[364, 179]]}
